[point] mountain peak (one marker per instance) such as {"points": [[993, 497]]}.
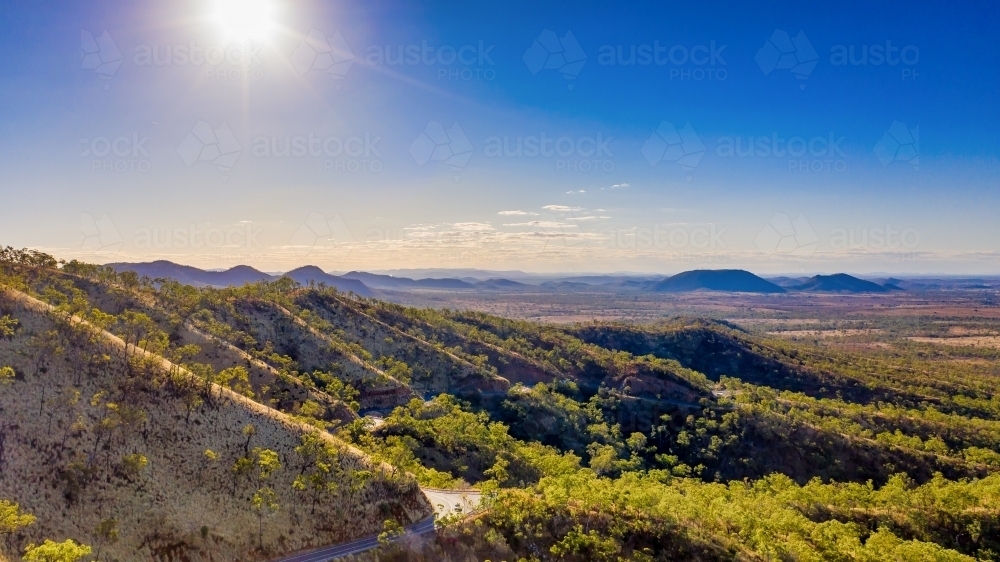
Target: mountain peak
{"points": [[839, 283], [728, 280]]}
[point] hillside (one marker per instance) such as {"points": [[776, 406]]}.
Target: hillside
{"points": [[94, 431], [731, 280], [177, 336], [675, 440], [839, 283]]}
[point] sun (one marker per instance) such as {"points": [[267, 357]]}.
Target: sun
{"points": [[243, 20]]}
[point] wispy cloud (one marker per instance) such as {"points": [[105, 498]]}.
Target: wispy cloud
{"points": [[575, 192], [444, 231], [561, 208], [543, 235], [620, 186], [517, 213], [542, 224], [472, 226], [587, 218]]}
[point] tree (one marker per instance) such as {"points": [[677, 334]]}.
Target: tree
{"points": [[498, 472], [396, 369], [44, 347], [12, 518], [248, 431], [580, 545], [602, 458], [320, 470], [261, 463], [134, 464], [265, 502], [64, 401], [7, 375], [391, 531], [267, 463], [135, 327], [67, 551], [8, 326], [236, 379], [107, 533]]}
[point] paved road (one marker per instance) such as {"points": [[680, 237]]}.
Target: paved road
{"points": [[450, 502], [445, 502], [354, 547]]}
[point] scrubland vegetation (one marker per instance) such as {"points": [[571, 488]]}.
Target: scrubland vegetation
{"points": [[226, 419]]}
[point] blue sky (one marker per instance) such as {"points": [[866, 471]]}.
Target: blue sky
{"points": [[873, 130]]}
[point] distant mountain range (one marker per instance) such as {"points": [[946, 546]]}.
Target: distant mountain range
{"points": [[390, 282], [740, 281], [465, 274], [238, 276], [310, 273], [377, 281], [722, 280]]}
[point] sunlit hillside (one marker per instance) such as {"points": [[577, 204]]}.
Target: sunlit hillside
{"points": [[688, 439]]}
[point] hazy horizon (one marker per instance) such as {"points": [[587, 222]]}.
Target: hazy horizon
{"points": [[458, 272]]}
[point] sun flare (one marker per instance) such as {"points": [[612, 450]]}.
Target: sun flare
{"points": [[243, 20]]}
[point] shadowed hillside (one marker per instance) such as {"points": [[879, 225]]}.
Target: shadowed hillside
{"points": [[717, 351]]}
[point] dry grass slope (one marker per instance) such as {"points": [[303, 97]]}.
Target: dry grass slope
{"points": [[285, 393], [77, 411]]}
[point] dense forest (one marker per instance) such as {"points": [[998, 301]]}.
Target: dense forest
{"points": [[686, 439]]}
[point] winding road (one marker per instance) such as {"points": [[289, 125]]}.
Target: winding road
{"points": [[445, 502], [354, 547]]}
